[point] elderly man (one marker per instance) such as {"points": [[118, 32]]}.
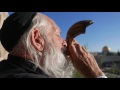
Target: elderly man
{"points": [[36, 50]]}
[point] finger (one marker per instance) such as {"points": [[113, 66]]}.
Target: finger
{"points": [[76, 41], [70, 41], [80, 50], [86, 52], [72, 48]]}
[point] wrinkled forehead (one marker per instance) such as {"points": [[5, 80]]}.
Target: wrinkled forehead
{"points": [[54, 26], [51, 23]]}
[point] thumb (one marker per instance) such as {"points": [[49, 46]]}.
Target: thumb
{"points": [[72, 47]]}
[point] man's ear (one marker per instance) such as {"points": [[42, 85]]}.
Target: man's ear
{"points": [[37, 40]]}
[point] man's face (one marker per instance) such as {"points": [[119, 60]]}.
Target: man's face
{"points": [[54, 61], [56, 39]]}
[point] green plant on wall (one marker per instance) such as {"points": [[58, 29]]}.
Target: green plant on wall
{"points": [[101, 63], [76, 74]]}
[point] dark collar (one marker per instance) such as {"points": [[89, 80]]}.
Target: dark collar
{"points": [[25, 64]]}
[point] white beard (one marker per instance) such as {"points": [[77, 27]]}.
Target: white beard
{"points": [[55, 64]]}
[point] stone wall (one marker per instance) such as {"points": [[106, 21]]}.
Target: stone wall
{"points": [[106, 59], [3, 52]]}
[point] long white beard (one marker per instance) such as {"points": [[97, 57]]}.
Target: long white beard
{"points": [[55, 63]]}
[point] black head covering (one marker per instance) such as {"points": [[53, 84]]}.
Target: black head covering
{"points": [[14, 27]]}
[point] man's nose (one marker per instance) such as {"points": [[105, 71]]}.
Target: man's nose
{"points": [[64, 43]]}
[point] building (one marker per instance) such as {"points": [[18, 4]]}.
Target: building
{"points": [[106, 50]]}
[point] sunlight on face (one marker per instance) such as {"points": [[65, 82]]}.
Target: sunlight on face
{"points": [[55, 63]]}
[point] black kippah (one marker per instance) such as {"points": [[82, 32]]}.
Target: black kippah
{"points": [[14, 27]]}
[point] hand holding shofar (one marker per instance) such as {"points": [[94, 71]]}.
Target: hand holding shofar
{"points": [[77, 29], [83, 61]]}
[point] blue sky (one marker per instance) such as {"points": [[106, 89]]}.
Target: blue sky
{"points": [[104, 31]]}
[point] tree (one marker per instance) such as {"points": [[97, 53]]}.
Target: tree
{"points": [[118, 53]]}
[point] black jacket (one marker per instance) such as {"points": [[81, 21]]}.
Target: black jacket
{"points": [[17, 67]]}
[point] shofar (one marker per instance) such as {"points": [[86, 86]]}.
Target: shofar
{"points": [[3, 52], [77, 29]]}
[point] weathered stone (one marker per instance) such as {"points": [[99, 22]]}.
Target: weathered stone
{"points": [[3, 52]]}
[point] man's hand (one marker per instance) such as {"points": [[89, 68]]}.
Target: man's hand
{"points": [[83, 61]]}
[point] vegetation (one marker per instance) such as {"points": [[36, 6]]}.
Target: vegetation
{"points": [[100, 64], [118, 53], [113, 69], [77, 75], [110, 54]]}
